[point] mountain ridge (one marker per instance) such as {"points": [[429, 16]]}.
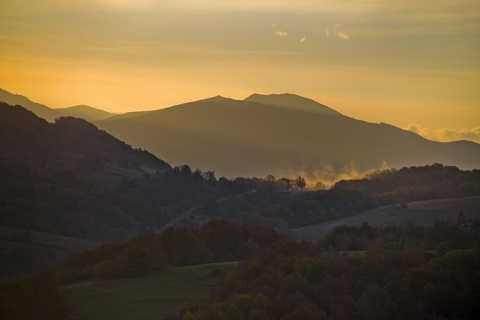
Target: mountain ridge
{"points": [[294, 101], [85, 112], [279, 134], [40, 110], [249, 138]]}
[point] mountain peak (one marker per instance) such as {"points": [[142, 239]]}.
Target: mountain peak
{"points": [[216, 98], [293, 101]]}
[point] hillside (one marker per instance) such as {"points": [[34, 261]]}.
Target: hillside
{"points": [[70, 144], [424, 213], [156, 296], [354, 272], [69, 178], [85, 112], [40, 110], [292, 101], [81, 111], [24, 252], [281, 135]]}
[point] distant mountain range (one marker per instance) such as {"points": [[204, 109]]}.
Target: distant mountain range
{"points": [[282, 135], [85, 112], [39, 109]]}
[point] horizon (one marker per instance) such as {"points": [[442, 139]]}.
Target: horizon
{"points": [[413, 65]]}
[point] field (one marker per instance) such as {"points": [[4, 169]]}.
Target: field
{"points": [[421, 213], [150, 297], [24, 252]]}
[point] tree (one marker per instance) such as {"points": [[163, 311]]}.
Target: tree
{"points": [[210, 176], [270, 178], [301, 183], [374, 303], [285, 183]]}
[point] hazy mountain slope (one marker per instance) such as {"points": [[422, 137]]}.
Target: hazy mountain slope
{"points": [[85, 112], [39, 109], [293, 101], [248, 138]]}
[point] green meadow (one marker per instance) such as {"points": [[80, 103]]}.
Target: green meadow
{"points": [[150, 297]]}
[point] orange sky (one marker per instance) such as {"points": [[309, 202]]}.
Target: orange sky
{"points": [[411, 64]]}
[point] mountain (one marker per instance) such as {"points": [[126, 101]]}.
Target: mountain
{"points": [[39, 109], [81, 111], [85, 112], [292, 101], [280, 135]]}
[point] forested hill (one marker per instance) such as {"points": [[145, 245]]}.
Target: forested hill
{"points": [[416, 183], [69, 144], [71, 179]]}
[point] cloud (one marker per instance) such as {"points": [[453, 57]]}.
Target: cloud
{"points": [[303, 39], [343, 36], [327, 33], [280, 33], [446, 134]]}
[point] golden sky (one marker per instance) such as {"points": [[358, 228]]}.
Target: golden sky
{"points": [[409, 63]]}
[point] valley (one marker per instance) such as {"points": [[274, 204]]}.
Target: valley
{"points": [[100, 229]]}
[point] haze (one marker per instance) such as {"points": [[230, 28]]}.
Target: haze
{"points": [[413, 64]]}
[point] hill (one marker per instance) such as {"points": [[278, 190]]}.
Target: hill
{"points": [[353, 272], [24, 252], [39, 109], [70, 179], [67, 179], [283, 135], [424, 213], [85, 112], [70, 144]]}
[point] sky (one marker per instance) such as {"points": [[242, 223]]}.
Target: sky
{"points": [[413, 64]]}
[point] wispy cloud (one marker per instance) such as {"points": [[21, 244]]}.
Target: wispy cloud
{"points": [[446, 134], [281, 34], [343, 36]]}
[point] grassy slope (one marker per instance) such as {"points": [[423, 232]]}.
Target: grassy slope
{"points": [[150, 297], [421, 213], [37, 249]]}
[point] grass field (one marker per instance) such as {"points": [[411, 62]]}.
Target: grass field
{"points": [[421, 213], [150, 297], [25, 252]]}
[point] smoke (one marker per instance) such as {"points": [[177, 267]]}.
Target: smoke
{"points": [[326, 174]]}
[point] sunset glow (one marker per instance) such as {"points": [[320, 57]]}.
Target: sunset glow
{"points": [[412, 64]]}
